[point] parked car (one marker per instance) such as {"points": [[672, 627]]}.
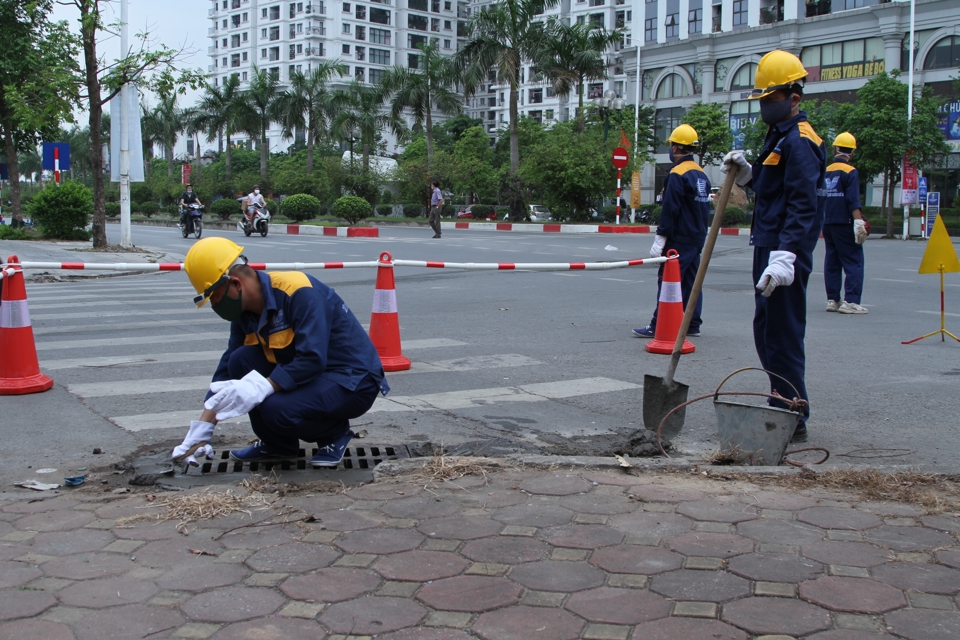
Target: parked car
{"points": [[714, 192], [467, 214], [540, 213]]}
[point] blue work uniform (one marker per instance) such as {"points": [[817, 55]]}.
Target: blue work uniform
{"points": [[788, 180], [843, 254], [308, 342], [683, 222]]}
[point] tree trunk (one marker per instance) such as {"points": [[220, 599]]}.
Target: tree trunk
{"points": [[264, 150], [88, 33], [429, 131], [514, 136], [581, 119], [891, 201], [366, 158], [311, 135], [884, 210], [196, 175], [13, 169], [226, 159], [168, 152]]}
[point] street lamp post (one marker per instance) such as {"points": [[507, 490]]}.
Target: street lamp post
{"points": [[354, 137], [609, 102]]}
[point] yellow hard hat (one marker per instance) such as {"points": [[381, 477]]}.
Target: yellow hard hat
{"points": [[777, 70], [845, 140], [207, 264], [685, 135]]}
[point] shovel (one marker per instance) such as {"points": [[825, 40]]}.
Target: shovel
{"points": [[661, 395]]}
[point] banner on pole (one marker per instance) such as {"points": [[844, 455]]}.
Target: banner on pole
{"points": [[134, 138], [908, 187], [186, 170], [922, 190]]}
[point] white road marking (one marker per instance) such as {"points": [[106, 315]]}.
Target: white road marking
{"points": [[104, 303], [221, 336], [936, 313], [155, 324], [121, 361], [98, 314], [891, 280], [621, 280], [82, 297]]}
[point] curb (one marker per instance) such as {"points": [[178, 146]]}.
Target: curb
{"points": [[570, 228], [284, 229]]}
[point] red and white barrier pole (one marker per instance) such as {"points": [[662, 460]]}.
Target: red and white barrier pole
{"points": [[619, 175], [56, 165]]}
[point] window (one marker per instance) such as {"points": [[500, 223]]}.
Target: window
{"points": [[672, 86], [375, 75], [263, 33], [379, 56], [299, 48], [346, 7], [263, 13], [235, 20], [361, 12], [650, 30], [447, 26], [224, 23], [418, 5], [673, 25], [263, 53], [360, 33], [695, 21], [665, 121], [291, 70], [293, 10], [435, 6], [379, 36], [446, 43], [594, 91], [620, 20], [446, 6], [416, 22], [380, 16], [596, 21], [346, 28], [597, 3], [293, 52], [536, 96], [945, 54], [414, 42], [244, 76], [243, 56], [434, 24], [224, 43], [275, 15], [235, 60], [536, 116], [299, 27], [244, 36], [743, 78], [273, 54], [245, 17], [274, 33], [739, 12], [413, 61], [346, 49], [360, 53], [548, 114], [235, 40], [839, 60], [275, 73]]}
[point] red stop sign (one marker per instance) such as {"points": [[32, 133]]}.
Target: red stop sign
{"points": [[620, 158]]}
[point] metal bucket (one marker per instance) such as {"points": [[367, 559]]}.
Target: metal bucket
{"points": [[757, 435]]}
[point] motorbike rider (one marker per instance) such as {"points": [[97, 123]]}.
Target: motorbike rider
{"points": [[187, 198], [251, 201]]}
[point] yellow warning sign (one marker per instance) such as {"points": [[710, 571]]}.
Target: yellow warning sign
{"points": [[635, 190], [940, 254]]}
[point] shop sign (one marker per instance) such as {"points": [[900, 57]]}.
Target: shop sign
{"points": [[856, 70]]}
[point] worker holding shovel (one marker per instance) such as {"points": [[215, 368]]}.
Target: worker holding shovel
{"points": [[788, 179]]}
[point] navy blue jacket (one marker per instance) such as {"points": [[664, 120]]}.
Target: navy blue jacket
{"points": [[686, 204], [308, 331], [843, 193], [788, 179]]}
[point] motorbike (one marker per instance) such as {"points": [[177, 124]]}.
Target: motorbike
{"points": [[192, 218], [258, 221]]}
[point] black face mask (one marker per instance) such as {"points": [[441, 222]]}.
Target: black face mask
{"points": [[229, 308], [773, 113]]}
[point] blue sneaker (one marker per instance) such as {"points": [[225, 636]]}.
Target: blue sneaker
{"points": [[645, 332], [693, 332], [257, 452], [332, 454]]}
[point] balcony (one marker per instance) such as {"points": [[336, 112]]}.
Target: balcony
{"points": [[771, 14], [315, 31], [211, 68], [818, 8], [314, 9], [212, 12], [211, 51], [211, 31]]}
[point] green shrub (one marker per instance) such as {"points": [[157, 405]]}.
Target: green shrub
{"points": [[172, 210], [149, 208], [272, 206], [386, 197], [140, 192], [224, 208], [481, 211], [384, 209], [735, 216], [654, 210], [300, 207], [610, 213], [353, 209], [412, 210], [447, 211], [112, 209], [63, 212], [9, 233]]}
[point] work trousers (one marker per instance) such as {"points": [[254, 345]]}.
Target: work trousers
{"points": [[435, 218], [844, 257], [689, 263], [779, 326], [317, 411]]}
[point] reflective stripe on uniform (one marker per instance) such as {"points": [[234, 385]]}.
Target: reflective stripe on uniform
{"points": [[670, 292], [385, 301], [14, 314]]}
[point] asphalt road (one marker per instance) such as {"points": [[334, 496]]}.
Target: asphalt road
{"points": [[503, 361]]}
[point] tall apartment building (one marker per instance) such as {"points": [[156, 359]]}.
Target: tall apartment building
{"points": [[369, 36]]}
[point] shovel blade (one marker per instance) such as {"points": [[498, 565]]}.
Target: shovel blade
{"points": [[658, 400]]}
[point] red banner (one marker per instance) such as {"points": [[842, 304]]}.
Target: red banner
{"points": [[908, 187], [186, 171]]}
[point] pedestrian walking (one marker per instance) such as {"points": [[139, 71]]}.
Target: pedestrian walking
{"points": [[844, 231], [788, 180], [436, 204], [683, 221], [298, 361]]}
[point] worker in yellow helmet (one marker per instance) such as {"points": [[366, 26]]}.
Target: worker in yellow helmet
{"points": [[844, 231], [788, 180], [683, 221], [298, 361]]}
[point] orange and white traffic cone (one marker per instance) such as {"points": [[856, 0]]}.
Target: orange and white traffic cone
{"points": [[669, 311], [19, 368], [385, 320]]}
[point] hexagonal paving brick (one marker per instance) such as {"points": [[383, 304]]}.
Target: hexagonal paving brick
{"points": [[775, 567], [714, 511], [386, 490], [420, 566], [833, 518], [533, 515], [771, 531], [109, 592], [68, 543], [39, 506], [460, 528], [899, 509], [853, 595], [651, 524], [618, 606], [941, 523], [11, 550], [331, 585], [469, 593], [232, 604], [850, 554], [295, 557], [684, 628], [260, 537], [582, 536], [598, 504], [371, 614], [556, 484], [147, 531], [345, 520], [126, 507], [552, 575], [20, 629], [776, 615], [88, 565], [506, 550], [420, 507], [170, 553], [700, 586], [925, 578], [423, 633], [130, 621], [949, 557], [608, 478], [711, 545], [272, 629], [660, 493], [848, 634], [777, 500], [629, 558], [380, 541], [515, 623], [908, 538], [14, 574], [54, 521], [15, 603], [487, 499], [211, 576], [924, 624]]}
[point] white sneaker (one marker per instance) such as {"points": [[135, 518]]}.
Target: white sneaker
{"points": [[852, 307], [832, 305]]}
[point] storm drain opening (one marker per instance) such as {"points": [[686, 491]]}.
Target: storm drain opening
{"points": [[360, 457]]}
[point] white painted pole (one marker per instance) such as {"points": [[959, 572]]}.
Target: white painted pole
{"points": [[913, 18], [636, 137], [125, 240]]}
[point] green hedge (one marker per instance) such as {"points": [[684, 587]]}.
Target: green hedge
{"points": [[481, 211], [412, 210], [224, 208], [353, 209], [63, 212], [149, 208], [384, 209], [301, 207], [735, 216], [112, 209]]}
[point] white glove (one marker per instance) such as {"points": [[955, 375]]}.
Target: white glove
{"points": [[199, 432], [234, 398], [860, 231], [737, 160], [657, 249], [779, 272], [206, 451]]}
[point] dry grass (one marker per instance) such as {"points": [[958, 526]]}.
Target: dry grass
{"points": [[935, 493], [273, 485], [734, 456], [444, 468], [203, 505]]}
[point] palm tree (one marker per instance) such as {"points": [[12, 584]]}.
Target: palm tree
{"points": [[217, 113], [502, 37], [360, 109], [169, 121], [258, 108], [308, 104], [428, 87], [574, 55], [150, 135]]}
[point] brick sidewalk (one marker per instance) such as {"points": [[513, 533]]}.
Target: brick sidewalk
{"points": [[517, 555]]}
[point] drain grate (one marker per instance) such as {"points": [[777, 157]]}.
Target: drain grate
{"points": [[363, 457]]}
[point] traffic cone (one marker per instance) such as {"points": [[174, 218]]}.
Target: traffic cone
{"points": [[669, 311], [385, 320], [19, 369]]}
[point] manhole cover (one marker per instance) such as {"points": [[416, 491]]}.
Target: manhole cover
{"points": [[363, 457]]}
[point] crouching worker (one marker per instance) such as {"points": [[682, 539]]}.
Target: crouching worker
{"points": [[298, 361]]}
